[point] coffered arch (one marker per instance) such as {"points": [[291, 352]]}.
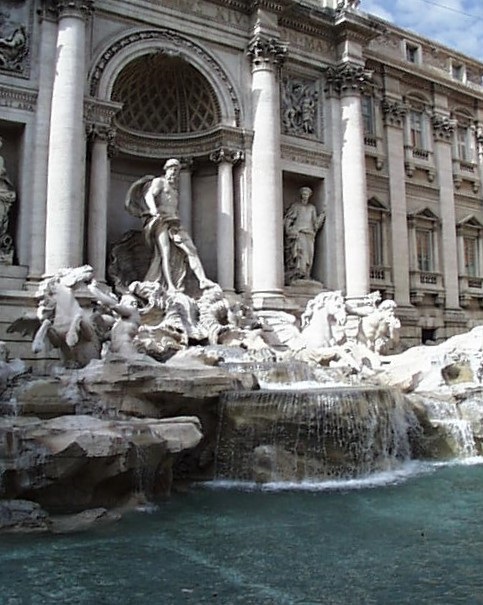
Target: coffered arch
{"points": [[135, 44]]}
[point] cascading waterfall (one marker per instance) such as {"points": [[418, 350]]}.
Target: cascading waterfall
{"points": [[459, 434], [298, 435]]}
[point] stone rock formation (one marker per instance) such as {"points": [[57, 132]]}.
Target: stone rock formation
{"points": [[71, 463]]}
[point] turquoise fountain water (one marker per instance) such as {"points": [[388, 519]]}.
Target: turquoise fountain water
{"points": [[415, 537]]}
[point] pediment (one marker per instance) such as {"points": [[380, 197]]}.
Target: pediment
{"points": [[470, 221], [424, 213]]}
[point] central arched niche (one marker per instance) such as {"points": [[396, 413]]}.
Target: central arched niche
{"points": [[165, 99], [165, 95]]}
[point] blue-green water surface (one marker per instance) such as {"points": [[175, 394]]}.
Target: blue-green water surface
{"points": [[417, 541]]}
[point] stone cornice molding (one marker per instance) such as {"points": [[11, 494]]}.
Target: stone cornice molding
{"points": [[263, 52], [201, 145], [74, 8], [347, 78], [276, 6], [393, 112], [350, 25], [97, 111], [443, 128], [17, 98], [320, 158], [225, 154]]}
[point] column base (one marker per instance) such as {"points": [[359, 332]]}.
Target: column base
{"points": [[274, 300], [12, 277]]}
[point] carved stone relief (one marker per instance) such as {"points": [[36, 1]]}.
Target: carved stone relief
{"points": [[7, 198], [15, 19], [300, 107]]}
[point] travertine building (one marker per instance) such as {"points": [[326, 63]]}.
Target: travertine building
{"points": [[258, 99]]}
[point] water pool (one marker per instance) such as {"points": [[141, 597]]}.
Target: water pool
{"points": [[414, 537]]}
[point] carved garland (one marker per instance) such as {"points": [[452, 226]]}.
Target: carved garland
{"points": [[165, 35]]}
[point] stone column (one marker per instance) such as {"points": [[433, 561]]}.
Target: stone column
{"points": [[334, 225], [98, 199], [267, 272], [348, 79], [186, 195], [443, 129], [394, 122], [38, 209], [225, 220], [65, 189]]}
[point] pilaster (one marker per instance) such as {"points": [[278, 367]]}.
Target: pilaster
{"points": [[443, 129], [394, 112]]}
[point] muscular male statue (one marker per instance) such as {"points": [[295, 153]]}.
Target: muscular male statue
{"points": [[155, 199]]}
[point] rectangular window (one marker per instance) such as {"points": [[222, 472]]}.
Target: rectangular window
{"points": [[464, 154], [424, 243], [471, 256], [368, 115], [375, 244], [411, 53], [416, 120], [457, 71]]}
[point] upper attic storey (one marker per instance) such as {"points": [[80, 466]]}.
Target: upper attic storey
{"points": [[406, 50]]}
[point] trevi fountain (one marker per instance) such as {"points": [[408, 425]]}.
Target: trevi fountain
{"points": [[188, 448]]}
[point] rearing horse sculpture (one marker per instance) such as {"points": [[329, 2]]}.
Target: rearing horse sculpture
{"points": [[61, 321]]}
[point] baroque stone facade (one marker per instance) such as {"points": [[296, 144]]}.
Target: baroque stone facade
{"points": [[383, 127]]}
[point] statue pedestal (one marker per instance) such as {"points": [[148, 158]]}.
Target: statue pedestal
{"points": [[12, 277], [301, 291]]}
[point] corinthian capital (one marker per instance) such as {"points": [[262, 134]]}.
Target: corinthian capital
{"points": [[348, 78], [74, 8], [394, 112], [223, 154], [443, 128], [263, 51]]}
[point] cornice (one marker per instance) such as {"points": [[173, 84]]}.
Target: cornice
{"points": [[352, 26], [100, 112], [17, 98], [201, 145], [305, 155]]}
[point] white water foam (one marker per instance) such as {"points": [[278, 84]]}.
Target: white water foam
{"points": [[406, 471]]}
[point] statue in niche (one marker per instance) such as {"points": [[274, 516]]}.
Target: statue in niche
{"points": [[7, 198], [301, 224], [299, 107], [155, 199], [13, 49]]}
